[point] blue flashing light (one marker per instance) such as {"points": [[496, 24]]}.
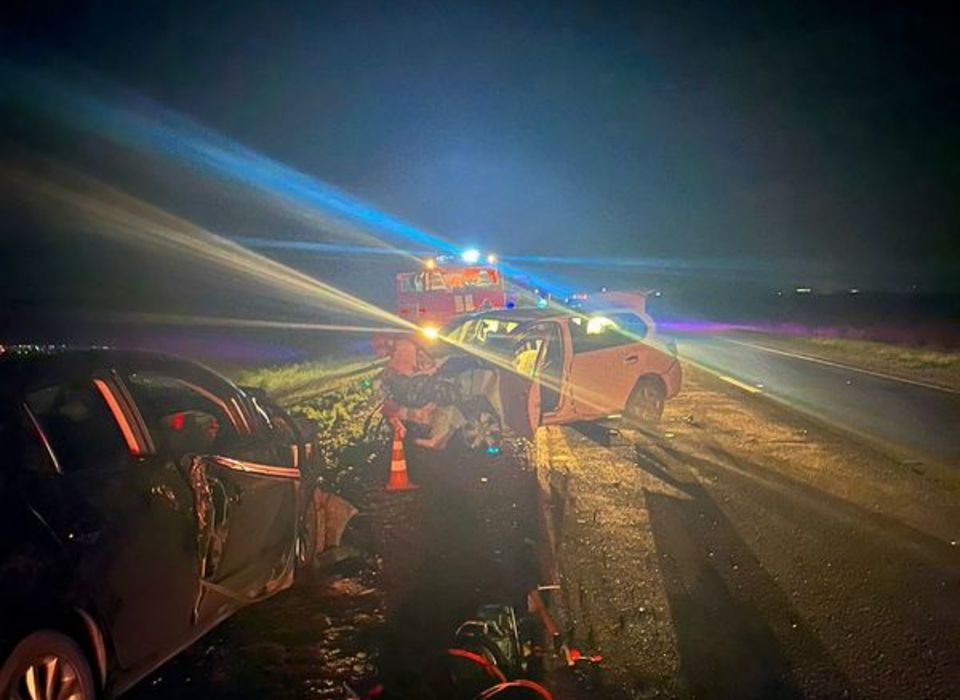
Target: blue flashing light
{"points": [[471, 256], [511, 304], [493, 450]]}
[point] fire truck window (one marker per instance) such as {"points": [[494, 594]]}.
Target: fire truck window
{"points": [[436, 282], [484, 278]]}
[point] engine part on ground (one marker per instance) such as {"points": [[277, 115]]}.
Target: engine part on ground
{"points": [[495, 628], [418, 390], [516, 690]]}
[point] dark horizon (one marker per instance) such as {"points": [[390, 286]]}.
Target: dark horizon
{"points": [[804, 145]]}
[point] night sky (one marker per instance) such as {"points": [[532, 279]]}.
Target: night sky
{"points": [[798, 135]]}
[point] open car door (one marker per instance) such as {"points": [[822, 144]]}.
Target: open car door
{"points": [[520, 398], [244, 504]]}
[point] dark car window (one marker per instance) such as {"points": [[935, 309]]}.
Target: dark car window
{"points": [[22, 446], [599, 333], [174, 408], [630, 325], [77, 422], [479, 331]]}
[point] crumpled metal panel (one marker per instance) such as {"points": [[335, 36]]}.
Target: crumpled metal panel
{"points": [[212, 511]]}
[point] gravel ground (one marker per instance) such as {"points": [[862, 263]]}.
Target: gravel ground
{"points": [[742, 551]]}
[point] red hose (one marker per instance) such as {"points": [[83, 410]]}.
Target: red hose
{"points": [[492, 670], [492, 693]]}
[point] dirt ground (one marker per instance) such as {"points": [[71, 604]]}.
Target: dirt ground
{"points": [[466, 537], [303, 643]]}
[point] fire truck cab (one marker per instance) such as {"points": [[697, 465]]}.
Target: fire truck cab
{"points": [[445, 289]]}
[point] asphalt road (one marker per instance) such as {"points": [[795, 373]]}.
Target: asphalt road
{"points": [[914, 417]]}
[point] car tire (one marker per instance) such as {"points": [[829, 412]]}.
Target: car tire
{"points": [[307, 542], [645, 405], [46, 665]]}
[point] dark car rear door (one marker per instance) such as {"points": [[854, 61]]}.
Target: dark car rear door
{"points": [[245, 501], [123, 515]]}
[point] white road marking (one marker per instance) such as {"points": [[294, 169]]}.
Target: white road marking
{"points": [[840, 365], [740, 385]]}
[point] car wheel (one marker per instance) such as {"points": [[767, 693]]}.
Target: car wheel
{"points": [[307, 541], [645, 405], [47, 665], [482, 429]]}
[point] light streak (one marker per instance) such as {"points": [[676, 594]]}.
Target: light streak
{"points": [[226, 322], [153, 129], [110, 213]]}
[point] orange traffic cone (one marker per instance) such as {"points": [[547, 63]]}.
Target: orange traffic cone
{"points": [[398, 466]]}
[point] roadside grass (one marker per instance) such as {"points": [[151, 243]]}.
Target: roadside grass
{"points": [[922, 364], [290, 383]]}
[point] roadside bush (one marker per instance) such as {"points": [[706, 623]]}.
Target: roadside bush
{"points": [[341, 414]]}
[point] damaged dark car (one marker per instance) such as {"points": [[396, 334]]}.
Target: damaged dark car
{"points": [[145, 499]]}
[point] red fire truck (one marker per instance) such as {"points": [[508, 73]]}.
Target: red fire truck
{"points": [[447, 287]]}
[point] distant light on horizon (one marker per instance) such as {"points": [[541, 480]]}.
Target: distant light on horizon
{"points": [[804, 290]]}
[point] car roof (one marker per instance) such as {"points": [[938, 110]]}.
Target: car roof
{"points": [[23, 363], [532, 315], [520, 315]]}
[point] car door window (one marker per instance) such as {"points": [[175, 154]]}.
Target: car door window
{"points": [[78, 425], [23, 445], [598, 333], [184, 416], [630, 325], [539, 355]]}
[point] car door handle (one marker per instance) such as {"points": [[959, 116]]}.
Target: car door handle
{"points": [[631, 359]]}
